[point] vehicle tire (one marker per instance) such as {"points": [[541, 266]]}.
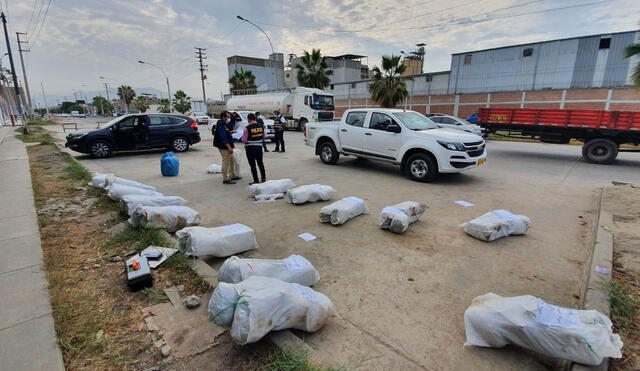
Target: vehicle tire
{"points": [[301, 123], [179, 144], [421, 167], [100, 149], [328, 153], [600, 151]]}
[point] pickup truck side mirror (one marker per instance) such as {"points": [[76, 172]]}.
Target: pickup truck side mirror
{"points": [[394, 128]]}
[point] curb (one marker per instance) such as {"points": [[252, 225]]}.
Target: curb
{"points": [[601, 255]]}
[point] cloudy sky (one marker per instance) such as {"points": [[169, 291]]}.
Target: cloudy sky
{"points": [[82, 39]]}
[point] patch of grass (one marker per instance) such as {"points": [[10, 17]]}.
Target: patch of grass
{"points": [[36, 135], [179, 262], [155, 295], [138, 238], [624, 307], [294, 360], [41, 122], [75, 171]]}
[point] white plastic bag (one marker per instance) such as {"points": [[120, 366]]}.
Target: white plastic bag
{"points": [[496, 224], [111, 179], [269, 197], [214, 169], [117, 191], [310, 193], [270, 187], [341, 211], [237, 157], [582, 336], [295, 269], [258, 305], [128, 203], [219, 241], [99, 180], [397, 218], [169, 218]]}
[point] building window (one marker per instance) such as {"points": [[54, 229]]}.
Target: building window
{"points": [[527, 52], [331, 86], [428, 78], [467, 59], [353, 85], [605, 43]]}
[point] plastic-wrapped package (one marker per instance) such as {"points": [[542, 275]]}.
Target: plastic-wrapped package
{"points": [[128, 203], [582, 336], [269, 197], [111, 179], [169, 218], [397, 218], [341, 211], [99, 180], [294, 269], [258, 305], [117, 191], [496, 224], [214, 169], [219, 241], [169, 164], [310, 193], [270, 187]]}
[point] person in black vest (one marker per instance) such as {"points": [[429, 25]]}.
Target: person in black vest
{"points": [[223, 140], [252, 137], [260, 122], [279, 125]]}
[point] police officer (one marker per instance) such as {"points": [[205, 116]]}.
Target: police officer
{"points": [[279, 125], [253, 137], [260, 122]]}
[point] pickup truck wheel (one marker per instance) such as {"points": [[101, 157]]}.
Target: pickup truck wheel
{"points": [[179, 144], [328, 153], [600, 151], [100, 149], [421, 167]]}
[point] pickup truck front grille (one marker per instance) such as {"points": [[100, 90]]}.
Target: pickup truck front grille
{"points": [[475, 153], [474, 149]]}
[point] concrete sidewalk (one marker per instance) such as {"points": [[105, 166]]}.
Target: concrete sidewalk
{"points": [[27, 335]]}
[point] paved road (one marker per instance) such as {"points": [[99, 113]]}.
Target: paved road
{"points": [[403, 296]]}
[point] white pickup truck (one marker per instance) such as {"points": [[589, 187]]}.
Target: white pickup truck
{"points": [[403, 137]]}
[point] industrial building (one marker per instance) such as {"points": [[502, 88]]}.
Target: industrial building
{"points": [[266, 71], [346, 67]]}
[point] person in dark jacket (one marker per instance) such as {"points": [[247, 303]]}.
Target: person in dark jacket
{"points": [[223, 140], [261, 122], [279, 124], [253, 137]]}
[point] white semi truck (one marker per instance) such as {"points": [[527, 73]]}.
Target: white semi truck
{"points": [[299, 105]]}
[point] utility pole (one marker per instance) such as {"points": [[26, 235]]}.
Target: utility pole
{"points": [[44, 97], [106, 88], [25, 126], [24, 71], [200, 56]]}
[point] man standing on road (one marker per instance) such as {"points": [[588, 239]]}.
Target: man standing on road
{"points": [[223, 140], [253, 138], [261, 123], [279, 125]]}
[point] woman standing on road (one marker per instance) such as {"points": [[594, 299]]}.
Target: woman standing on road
{"points": [[252, 137]]}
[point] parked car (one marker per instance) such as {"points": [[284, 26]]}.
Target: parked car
{"points": [[268, 123], [200, 117], [136, 132], [456, 123], [402, 137]]}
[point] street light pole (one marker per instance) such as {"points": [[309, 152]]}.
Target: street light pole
{"points": [[167, 78], [275, 70]]}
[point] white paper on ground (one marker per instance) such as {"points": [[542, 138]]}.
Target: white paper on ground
{"points": [[307, 236], [602, 269], [464, 203], [166, 253]]}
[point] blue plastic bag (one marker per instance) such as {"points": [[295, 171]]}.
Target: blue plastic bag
{"points": [[169, 165]]}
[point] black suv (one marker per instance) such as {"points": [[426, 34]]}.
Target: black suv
{"points": [[136, 132]]}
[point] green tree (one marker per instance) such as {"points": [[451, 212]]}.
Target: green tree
{"points": [[68, 107], [102, 105], [126, 94], [242, 80], [388, 87], [181, 102], [313, 71], [630, 51], [40, 111], [165, 106], [141, 103]]}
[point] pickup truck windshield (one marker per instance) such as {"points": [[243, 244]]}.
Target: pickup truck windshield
{"points": [[415, 121], [322, 102]]}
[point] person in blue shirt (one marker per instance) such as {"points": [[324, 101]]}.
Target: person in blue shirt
{"points": [[223, 140]]}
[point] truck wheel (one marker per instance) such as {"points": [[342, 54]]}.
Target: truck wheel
{"points": [[328, 153], [422, 168], [600, 151], [100, 149], [179, 144], [301, 124]]}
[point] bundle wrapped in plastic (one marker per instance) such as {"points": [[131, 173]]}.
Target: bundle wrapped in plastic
{"points": [[258, 305], [310, 193], [117, 191], [111, 179], [169, 218], [341, 211], [214, 169], [582, 336], [219, 241], [271, 187], [294, 269], [128, 203], [496, 224], [269, 197], [397, 218], [99, 180]]}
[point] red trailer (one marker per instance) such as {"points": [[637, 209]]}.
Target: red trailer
{"points": [[602, 132]]}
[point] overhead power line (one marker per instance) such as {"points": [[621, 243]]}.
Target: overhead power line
{"points": [[41, 25], [33, 12]]}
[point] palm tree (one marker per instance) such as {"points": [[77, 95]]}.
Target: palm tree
{"points": [[242, 80], [181, 102], [141, 104], [388, 87], [630, 51], [165, 106], [126, 94], [313, 71]]}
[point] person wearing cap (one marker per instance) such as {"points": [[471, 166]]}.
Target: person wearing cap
{"points": [[279, 125], [253, 138]]}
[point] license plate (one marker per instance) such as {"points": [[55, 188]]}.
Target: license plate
{"points": [[481, 161]]}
